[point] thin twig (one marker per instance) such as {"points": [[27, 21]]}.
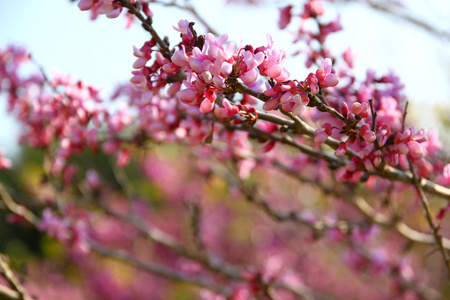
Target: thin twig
{"points": [[8, 294], [385, 8], [15, 208], [374, 115], [193, 11], [147, 25], [386, 171], [345, 227], [434, 228], [14, 283], [404, 115], [363, 206], [158, 269], [213, 264], [285, 139], [160, 237], [195, 212], [243, 89], [319, 102]]}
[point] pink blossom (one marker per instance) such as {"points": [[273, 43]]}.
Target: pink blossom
{"points": [[123, 157], [442, 212], [367, 134], [327, 76], [271, 104], [85, 4], [92, 179], [183, 27], [444, 177], [271, 65], [180, 58], [5, 163], [99, 7], [79, 236], [53, 225], [111, 146], [227, 111], [313, 8], [329, 28], [285, 17], [322, 133], [341, 150], [432, 145], [349, 57]]}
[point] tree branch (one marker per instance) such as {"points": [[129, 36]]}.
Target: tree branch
{"points": [[158, 269], [434, 229], [18, 290]]}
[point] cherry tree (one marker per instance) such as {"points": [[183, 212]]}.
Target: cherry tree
{"points": [[221, 176]]}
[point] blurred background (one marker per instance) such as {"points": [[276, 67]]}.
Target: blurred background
{"points": [[62, 37]]}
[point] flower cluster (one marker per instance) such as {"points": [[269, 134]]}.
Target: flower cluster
{"points": [[212, 65], [70, 229], [62, 113], [187, 211], [294, 97], [109, 8], [312, 29]]}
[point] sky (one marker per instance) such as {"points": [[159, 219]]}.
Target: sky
{"points": [[62, 37]]}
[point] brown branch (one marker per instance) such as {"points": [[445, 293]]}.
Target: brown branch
{"points": [[345, 227], [361, 204], [385, 171], [147, 24], [17, 288], [434, 229], [374, 116], [243, 89], [319, 227], [8, 294], [158, 269], [298, 126], [385, 8], [404, 115], [285, 139], [213, 264], [195, 216], [160, 237], [394, 174], [15, 208], [318, 101]]}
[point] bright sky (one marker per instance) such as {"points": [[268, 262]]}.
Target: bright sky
{"points": [[100, 52]]}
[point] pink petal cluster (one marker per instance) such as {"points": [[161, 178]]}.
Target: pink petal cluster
{"points": [[208, 67], [285, 17], [444, 178], [228, 111], [67, 118], [272, 64], [322, 133], [291, 96], [207, 70], [326, 76], [70, 230], [111, 9], [313, 9]]}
